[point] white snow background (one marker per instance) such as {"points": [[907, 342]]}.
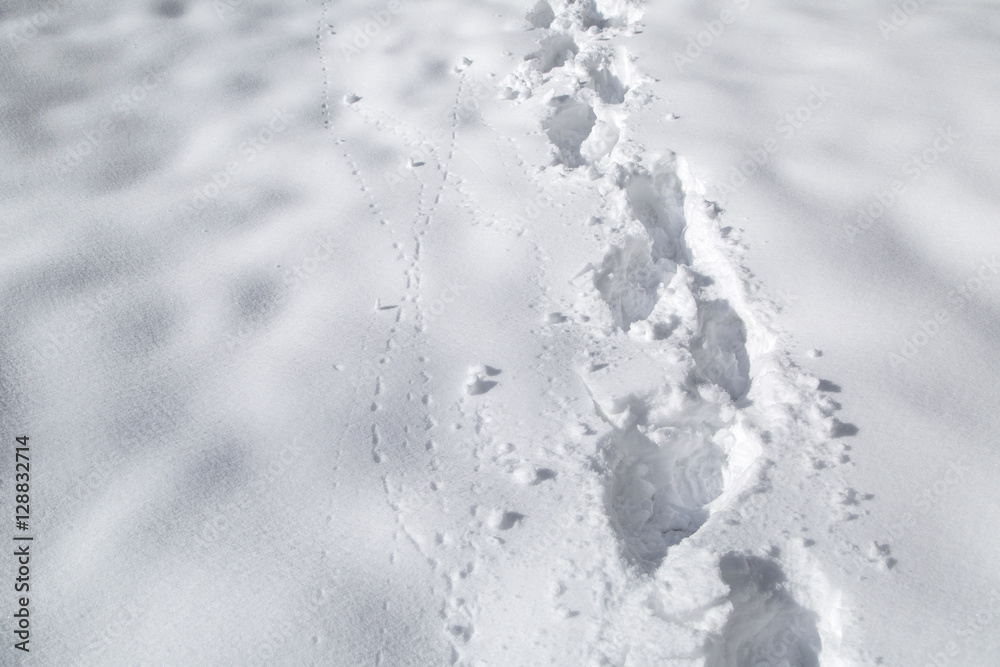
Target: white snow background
{"points": [[593, 332]]}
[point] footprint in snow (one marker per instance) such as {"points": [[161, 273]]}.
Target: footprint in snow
{"points": [[477, 384]]}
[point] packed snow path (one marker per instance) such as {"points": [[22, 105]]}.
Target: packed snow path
{"points": [[645, 428]]}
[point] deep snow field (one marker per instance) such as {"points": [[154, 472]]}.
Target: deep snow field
{"points": [[583, 332]]}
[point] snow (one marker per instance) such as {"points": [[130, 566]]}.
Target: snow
{"points": [[597, 332]]}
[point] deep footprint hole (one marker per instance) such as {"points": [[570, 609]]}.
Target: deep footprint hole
{"points": [[568, 127], [720, 351], [659, 493], [766, 625], [541, 15]]}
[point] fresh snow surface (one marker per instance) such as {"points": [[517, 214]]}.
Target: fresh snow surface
{"points": [[593, 332]]}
